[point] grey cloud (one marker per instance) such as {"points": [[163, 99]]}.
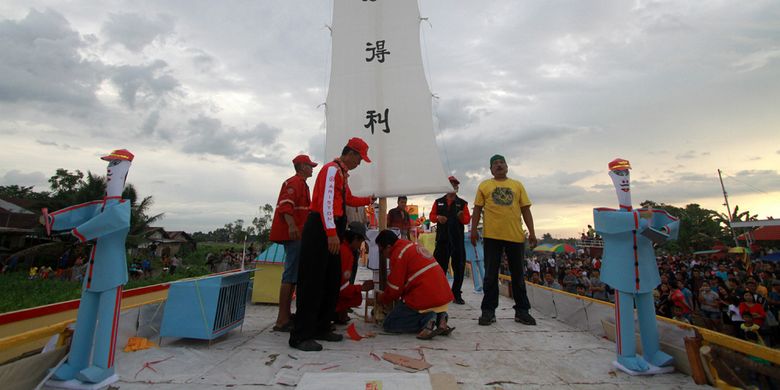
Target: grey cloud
{"points": [[146, 83], [150, 123], [464, 151], [41, 62], [206, 135], [687, 155], [57, 145], [17, 177], [458, 113], [134, 31]]}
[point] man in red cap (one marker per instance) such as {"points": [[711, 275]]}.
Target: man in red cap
{"points": [[451, 214], [292, 207], [319, 267]]}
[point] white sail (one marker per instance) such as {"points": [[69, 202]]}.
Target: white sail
{"points": [[377, 80]]}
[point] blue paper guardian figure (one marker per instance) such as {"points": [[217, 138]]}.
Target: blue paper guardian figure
{"points": [[630, 268], [106, 223]]}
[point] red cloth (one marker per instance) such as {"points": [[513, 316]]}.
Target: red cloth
{"points": [[294, 200], [757, 308], [330, 191], [416, 277], [349, 294], [465, 219]]}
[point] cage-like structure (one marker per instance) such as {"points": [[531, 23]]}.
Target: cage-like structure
{"points": [[206, 308]]}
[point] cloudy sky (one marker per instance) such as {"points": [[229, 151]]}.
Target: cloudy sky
{"points": [[215, 98]]}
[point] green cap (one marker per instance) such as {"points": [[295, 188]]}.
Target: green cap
{"points": [[496, 157]]}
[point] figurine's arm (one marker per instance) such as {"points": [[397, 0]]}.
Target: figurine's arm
{"points": [[113, 218], [70, 217]]}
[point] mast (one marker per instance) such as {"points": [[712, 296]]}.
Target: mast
{"points": [[728, 208]]}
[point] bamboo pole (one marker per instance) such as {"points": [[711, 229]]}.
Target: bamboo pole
{"points": [[382, 260]]}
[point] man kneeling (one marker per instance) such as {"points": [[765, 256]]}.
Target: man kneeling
{"points": [[418, 280]]}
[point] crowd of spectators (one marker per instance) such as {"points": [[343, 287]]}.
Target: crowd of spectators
{"points": [[731, 295]]}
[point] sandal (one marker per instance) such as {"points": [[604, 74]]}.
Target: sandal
{"points": [[428, 331], [441, 325]]}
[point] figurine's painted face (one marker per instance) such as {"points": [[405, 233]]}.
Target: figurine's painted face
{"points": [[621, 178], [116, 176]]}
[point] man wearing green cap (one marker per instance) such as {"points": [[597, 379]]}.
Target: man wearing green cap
{"points": [[506, 206]]}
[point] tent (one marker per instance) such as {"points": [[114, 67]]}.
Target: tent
{"points": [[273, 254], [773, 257]]}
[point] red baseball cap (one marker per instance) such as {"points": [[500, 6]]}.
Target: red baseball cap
{"points": [[119, 154], [304, 159], [359, 146], [453, 179]]}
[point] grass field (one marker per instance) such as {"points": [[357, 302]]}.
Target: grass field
{"points": [[18, 292]]}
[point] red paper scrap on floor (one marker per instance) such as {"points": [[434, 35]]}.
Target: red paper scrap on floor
{"points": [[354, 335]]}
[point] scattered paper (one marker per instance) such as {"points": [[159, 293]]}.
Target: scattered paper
{"points": [[138, 344], [406, 361]]}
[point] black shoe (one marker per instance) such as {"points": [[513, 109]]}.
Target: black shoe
{"points": [[459, 301], [330, 336], [307, 345], [487, 319], [525, 318]]}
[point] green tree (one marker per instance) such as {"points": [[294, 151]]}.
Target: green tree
{"points": [[262, 223], [65, 184]]}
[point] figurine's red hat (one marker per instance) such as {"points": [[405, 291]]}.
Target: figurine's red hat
{"points": [[619, 164], [119, 154]]}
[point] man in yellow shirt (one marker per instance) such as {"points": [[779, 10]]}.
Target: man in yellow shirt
{"points": [[506, 206]]}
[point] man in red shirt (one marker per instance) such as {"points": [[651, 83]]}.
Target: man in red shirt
{"points": [[451, 213], [292, 207], [399, 218], [416, 278], [319, 263]]}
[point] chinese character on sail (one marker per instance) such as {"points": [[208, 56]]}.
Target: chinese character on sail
{"points": [[377, 51], [377, 118]]}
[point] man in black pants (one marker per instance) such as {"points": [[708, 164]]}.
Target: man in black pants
{"points": [[451, 214], [319, 265]]}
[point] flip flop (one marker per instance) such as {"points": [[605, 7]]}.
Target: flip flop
{"points": [[284, 328]]}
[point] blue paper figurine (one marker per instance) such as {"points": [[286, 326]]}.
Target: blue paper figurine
{"points": [[107, 222], [629, 266]]}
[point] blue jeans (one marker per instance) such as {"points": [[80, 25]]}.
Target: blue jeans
{"points": [[292, 250], [404, 319]]}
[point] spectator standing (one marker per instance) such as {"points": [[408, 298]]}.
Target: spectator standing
{"points": [[506, 205], [598, 289], [399, 218], [319, 265], [451, 214], [292, 208]]}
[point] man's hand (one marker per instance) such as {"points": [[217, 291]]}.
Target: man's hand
{"points": [[441, 219], [460, 215], [42, 220], [368, 285], [532, 240], [295, 234], [474, 237], [333, 245]]}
